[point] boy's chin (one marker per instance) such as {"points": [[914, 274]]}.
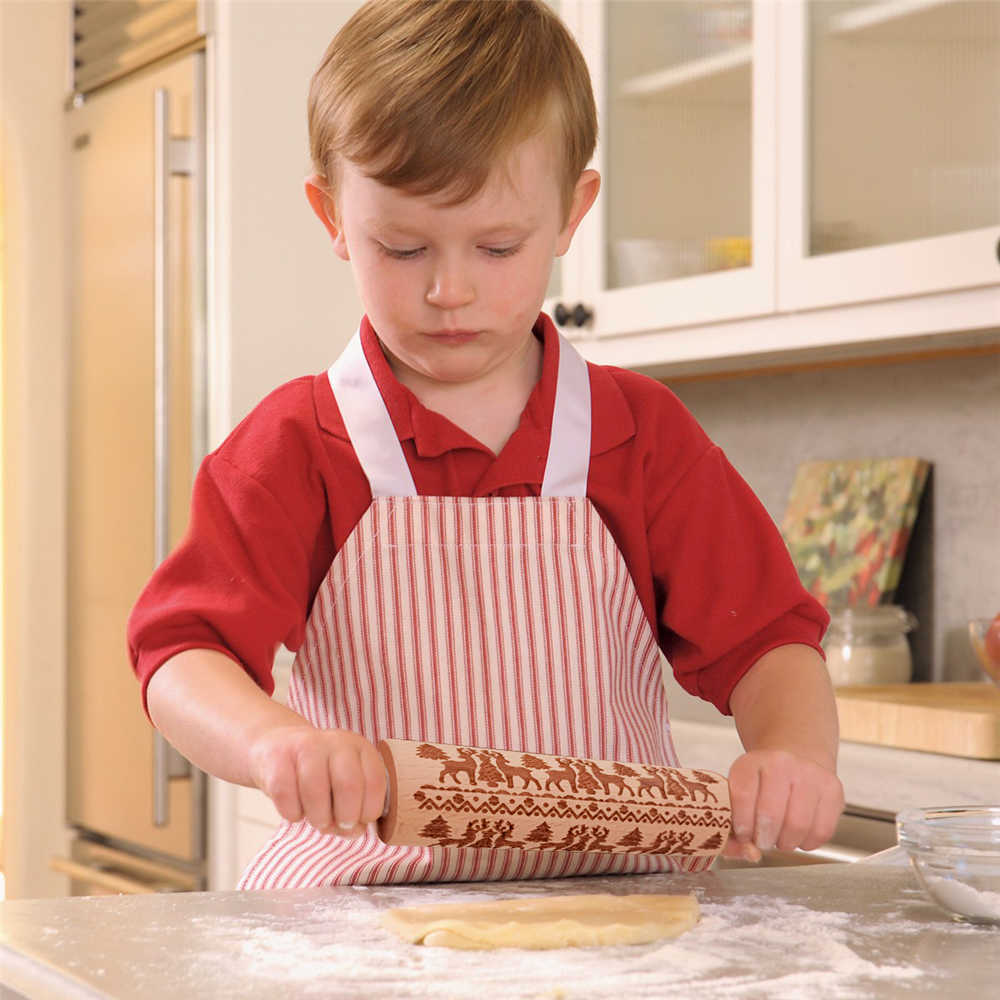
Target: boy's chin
{"points": [[453, 371], [445, 365]]}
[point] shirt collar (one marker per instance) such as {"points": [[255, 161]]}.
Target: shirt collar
{"points": [[434, 435]]}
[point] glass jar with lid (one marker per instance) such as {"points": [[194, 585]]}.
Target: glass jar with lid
{"points": [[868, 645]]}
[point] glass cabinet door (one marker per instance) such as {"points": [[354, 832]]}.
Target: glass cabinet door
{"points": [[684, 197], [897, 150], [677, 129]]}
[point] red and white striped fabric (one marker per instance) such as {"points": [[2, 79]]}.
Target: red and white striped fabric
{"points": [[493, 622]]}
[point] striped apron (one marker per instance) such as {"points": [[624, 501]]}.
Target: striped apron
{"points": [[505, 622]]}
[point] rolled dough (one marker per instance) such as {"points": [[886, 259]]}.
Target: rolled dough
{"points": [[541, 922]]}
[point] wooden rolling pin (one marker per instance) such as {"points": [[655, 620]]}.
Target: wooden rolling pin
{"points": [[450, 796]]}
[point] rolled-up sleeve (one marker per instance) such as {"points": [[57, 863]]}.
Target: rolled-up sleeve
{"points": [[728, 590], [242, 578]]}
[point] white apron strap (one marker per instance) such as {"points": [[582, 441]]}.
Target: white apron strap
{"points": [[568, 461], [381, 456], [368, 424]]}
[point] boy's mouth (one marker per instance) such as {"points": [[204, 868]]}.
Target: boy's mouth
{"points": [[453, 336]]}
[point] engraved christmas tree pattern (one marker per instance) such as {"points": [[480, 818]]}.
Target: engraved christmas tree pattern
{"points": [[541, 836], [484, 833], [488, 774]]}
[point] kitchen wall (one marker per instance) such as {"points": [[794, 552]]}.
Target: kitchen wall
{"points": [[944, 410], [285, 303], [33, 84]]}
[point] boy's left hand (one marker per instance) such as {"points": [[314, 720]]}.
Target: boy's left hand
{"points": [[782, 800]]}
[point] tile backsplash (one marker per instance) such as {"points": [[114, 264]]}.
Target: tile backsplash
{"points": [[946, 410]]}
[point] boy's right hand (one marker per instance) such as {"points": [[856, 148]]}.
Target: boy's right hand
{"points": [[333, 778]]}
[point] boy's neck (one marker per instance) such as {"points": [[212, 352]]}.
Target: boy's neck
{"points": [[488, 408]]}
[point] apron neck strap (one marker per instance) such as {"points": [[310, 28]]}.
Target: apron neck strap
{"points": [[368, 425], [381, 456], [568, 461]]}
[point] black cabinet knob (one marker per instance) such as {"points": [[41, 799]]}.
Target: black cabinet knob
{"points": [[579, 315]]}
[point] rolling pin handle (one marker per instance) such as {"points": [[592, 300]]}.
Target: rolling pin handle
{"points": [[388, 795]]}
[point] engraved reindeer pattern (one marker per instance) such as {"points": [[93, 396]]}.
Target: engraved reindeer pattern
{"points": [[650, 782], [510, 773], [606, 779], [556, 777], [453, 768]]}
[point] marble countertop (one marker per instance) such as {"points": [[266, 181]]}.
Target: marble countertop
{"points": [[863, 930], [876, 779]]}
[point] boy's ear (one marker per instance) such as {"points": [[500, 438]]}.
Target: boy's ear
{"points": [[583, 197], [324, 206]]}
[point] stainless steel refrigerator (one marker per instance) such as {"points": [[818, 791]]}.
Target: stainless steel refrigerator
{"points": [[138, 255]]}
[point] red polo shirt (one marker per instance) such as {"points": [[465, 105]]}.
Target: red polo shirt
{"points": [[274, 504]]}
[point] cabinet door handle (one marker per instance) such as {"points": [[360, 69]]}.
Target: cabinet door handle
{"points": [[172, 157], [579, 315]]}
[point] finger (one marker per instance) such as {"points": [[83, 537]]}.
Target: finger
{"points": [[314, 788], [373, 769], [732, 849], [740, 851], [772, 800], [348, 781], [828, 812], [282, 787], [744, 783], [800, 814]]}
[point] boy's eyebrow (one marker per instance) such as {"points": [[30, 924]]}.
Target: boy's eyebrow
{"points": [[509, 228], [381, 228]]}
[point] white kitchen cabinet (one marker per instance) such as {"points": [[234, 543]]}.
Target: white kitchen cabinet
{"points": [[684, 229], [787, 181], [889, 149]]}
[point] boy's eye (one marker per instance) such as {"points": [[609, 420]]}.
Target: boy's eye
{"points": [[400, 254], [503, 251]]}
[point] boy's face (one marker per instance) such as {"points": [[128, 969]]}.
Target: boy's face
{"points": [[454, 290]]}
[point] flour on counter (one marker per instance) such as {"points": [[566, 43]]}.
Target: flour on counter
{"points": [[754, 948]]}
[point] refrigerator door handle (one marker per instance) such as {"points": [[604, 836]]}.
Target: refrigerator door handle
{"points": [[173, 157]]}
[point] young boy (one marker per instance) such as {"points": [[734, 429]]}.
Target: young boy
{"points": [[469, 535]]}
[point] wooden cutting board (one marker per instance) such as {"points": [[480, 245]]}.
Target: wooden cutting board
{"points": [[958, 719]]}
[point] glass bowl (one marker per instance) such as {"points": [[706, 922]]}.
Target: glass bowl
{"points": [[955, 852], [978, 627]]}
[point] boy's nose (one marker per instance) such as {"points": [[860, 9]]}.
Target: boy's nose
{"points": [[449, 289]]}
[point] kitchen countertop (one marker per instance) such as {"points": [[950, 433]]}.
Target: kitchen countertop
{"points": [[876, 779], [827, 931]]}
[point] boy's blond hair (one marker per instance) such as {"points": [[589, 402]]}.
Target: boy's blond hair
{"points": [[430, 95]]}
